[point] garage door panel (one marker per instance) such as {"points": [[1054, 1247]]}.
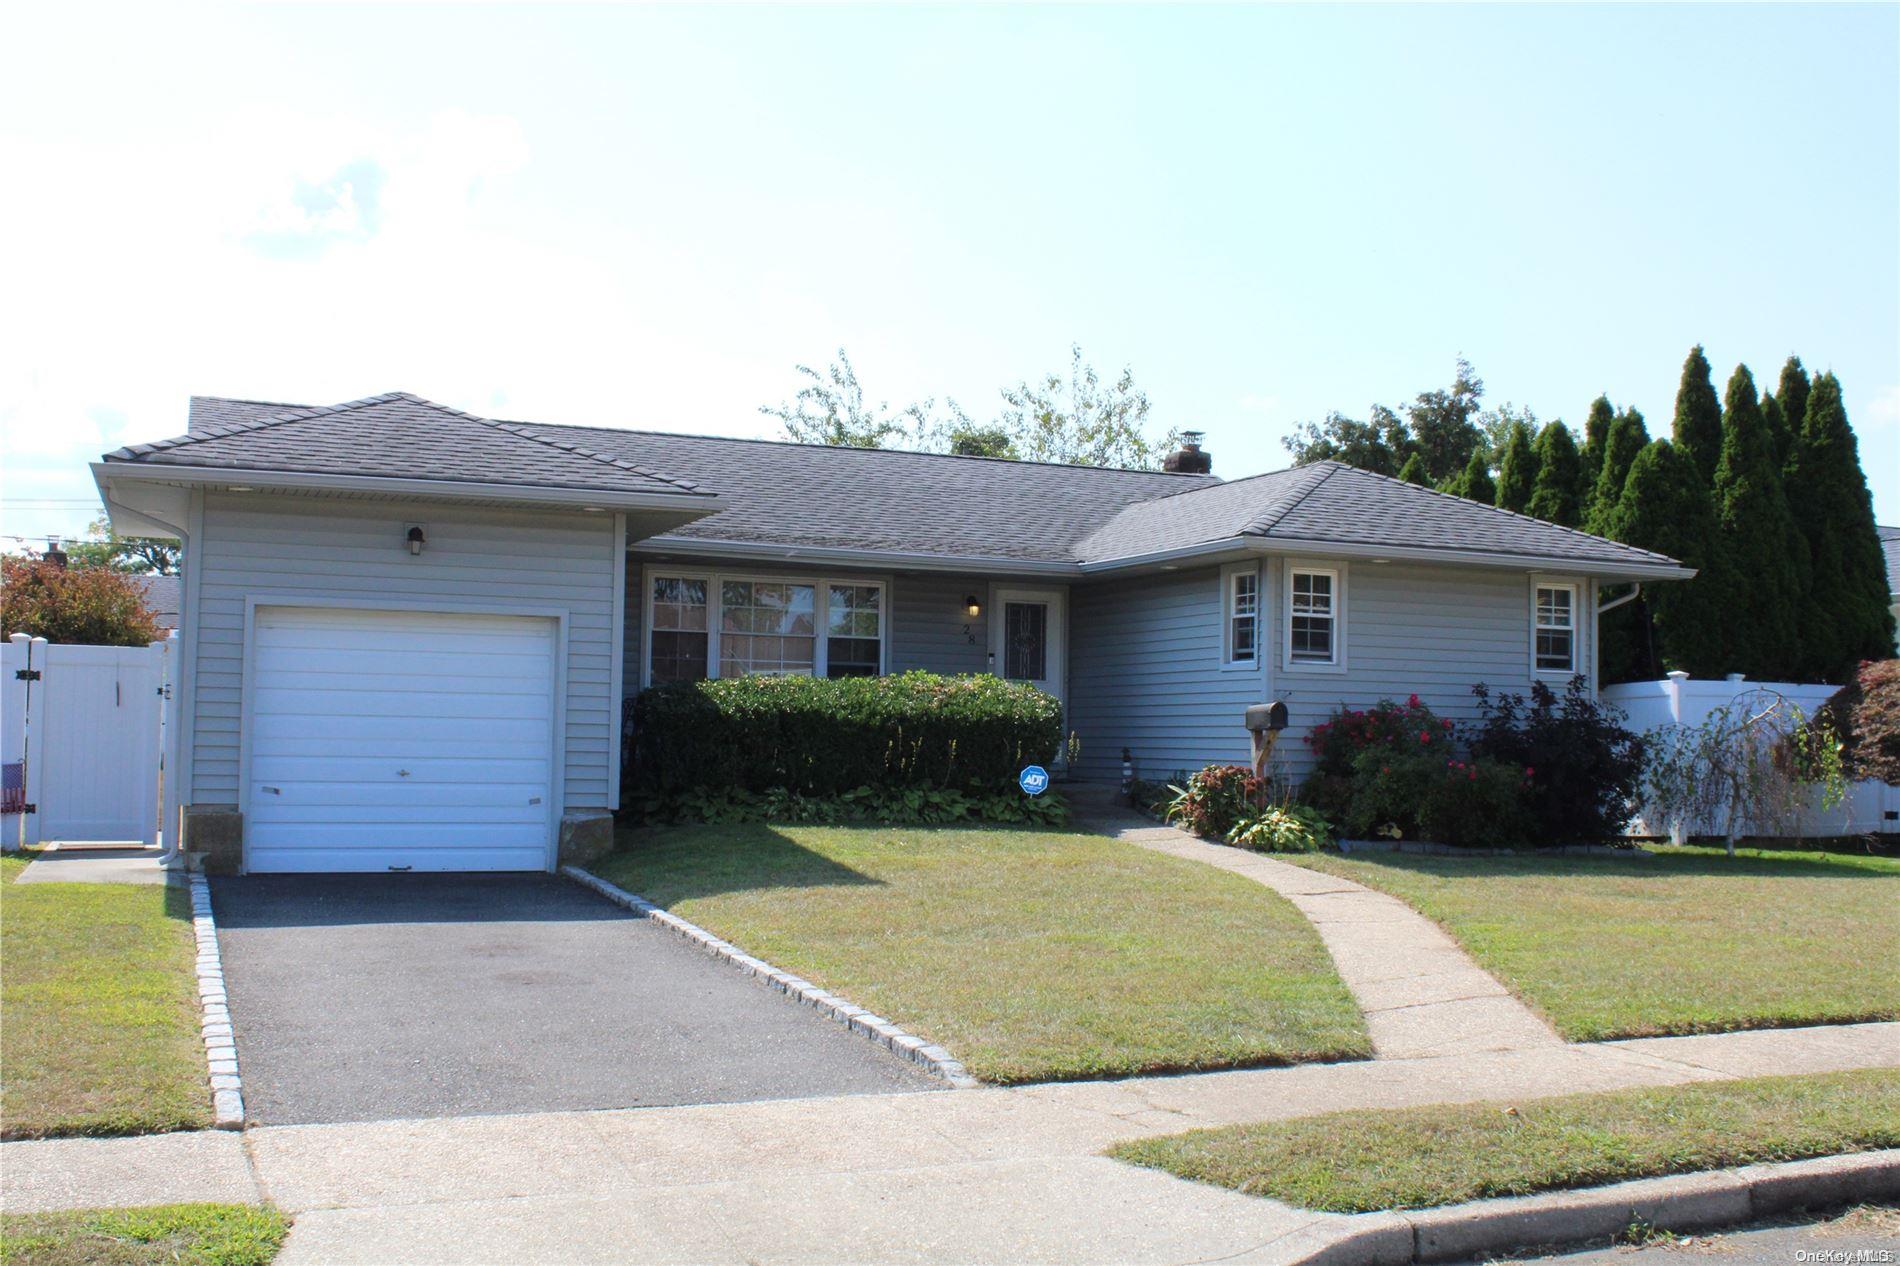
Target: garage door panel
{"points": [[336, 708], [524, 733], [400, 740]]}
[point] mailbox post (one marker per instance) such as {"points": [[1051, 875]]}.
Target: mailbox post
{"points": [[1264, 723]]}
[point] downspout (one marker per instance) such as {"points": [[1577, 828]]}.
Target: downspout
{"points": [[1636, 591]]}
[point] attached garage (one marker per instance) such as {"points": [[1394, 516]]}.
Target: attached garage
{"points": [[386, 740]]}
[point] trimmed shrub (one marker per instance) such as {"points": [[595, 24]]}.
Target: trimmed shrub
{"points": [[1584, 767], [1214, 800], [812, 736], [927, 805], [1470, 803]]}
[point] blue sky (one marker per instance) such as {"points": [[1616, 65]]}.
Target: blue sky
{"points": [[646, 217]]}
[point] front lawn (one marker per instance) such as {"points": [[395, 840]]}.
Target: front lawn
{"points": [[98, 1010], [1409, 1158], [197, 1234], [1687, 941], [1031, 955]]}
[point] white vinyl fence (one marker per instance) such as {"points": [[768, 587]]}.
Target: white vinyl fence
{"points": [[1870, 806], [83, 730]]}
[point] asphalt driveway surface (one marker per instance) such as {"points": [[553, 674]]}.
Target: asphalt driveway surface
{"points": [[375, 997]]}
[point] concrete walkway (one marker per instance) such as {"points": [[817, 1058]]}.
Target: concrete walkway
{"points": [[90, 864], [995, 1175], [1422, 994]]}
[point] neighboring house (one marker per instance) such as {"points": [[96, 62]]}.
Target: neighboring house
{"points": [[408, 631], [163, 596], [1890, 543]]}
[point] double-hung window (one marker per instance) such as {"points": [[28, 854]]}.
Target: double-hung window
{"points": [[1554, 628], [701, 626], [1242, 637], [1313, 616]]}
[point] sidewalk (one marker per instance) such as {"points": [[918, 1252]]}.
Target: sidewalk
{"points": [[995, 1175]]}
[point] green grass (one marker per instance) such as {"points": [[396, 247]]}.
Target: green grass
{"points": [[1409, 1158], [98, 1010], [1687, 941], [1031, 955], [181, 1234]]}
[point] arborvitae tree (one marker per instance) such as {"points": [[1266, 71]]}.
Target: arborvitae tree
{"points": [[1559, 471], [1628, 437], [1664, 507], [1780, 439], [1596, 434], [1517, 469], [1698, 425], [1792, 392], [1475, 484], [1413, 472], [1759, 540], [1846, 616]]}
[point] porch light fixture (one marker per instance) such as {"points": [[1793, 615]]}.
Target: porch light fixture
{"points": [[971, 607], [416, 539]]}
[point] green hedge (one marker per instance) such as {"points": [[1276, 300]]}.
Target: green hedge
{"points": [[821, 737]]}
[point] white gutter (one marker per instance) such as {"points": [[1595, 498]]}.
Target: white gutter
{"points": [[843, 556], [1636, 591], [454, 489], [1475, 558]]}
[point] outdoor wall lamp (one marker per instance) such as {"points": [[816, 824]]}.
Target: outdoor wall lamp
{"points": [[416, 539], [971, 607]]}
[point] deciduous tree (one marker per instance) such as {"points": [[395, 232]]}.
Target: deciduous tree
{"points": [[92, 606]]}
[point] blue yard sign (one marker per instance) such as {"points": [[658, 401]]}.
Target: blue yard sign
{"points": [[1034, 780]]}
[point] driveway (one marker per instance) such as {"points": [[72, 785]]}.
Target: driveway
{"points": [[376, 997]]}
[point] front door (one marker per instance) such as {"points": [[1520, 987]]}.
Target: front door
{"points": [[1027, 638]]}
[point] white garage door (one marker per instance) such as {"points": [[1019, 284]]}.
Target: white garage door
{"points": [[400, 740]]}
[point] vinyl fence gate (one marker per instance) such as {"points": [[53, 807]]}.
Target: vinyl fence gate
{"points": [[84, 730]]}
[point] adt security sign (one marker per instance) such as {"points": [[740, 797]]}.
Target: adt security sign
{"points": [[1034, 780]]}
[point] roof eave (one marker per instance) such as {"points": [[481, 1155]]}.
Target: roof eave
{"points": [[446, 489], [1603, 568], [900, 560]]}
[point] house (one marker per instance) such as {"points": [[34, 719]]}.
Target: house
{"points": [[408, 631], [1890, 545], [163, 598]]}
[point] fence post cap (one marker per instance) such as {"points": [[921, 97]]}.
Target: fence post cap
{"points": [[19, 638], [1678, 676]]}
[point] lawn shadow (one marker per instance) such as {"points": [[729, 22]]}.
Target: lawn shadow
{"points": [[678, 863]]}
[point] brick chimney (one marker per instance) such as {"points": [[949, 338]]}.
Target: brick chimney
{"points": [[54, 554], [1190, 458]]}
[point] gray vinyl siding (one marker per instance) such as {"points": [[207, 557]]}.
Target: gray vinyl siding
{"points": [[1146, 659], [1145, 673], [289, 548], [929, 626]]}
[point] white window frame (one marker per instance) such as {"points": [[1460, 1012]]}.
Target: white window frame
{"points": [[1337, 664], [1575, 586], [1229, 583], [821, 609]]}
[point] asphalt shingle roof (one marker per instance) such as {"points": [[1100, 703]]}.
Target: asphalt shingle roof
{"points": [[813, 496], [397, 436], [1890, 542], [1333, 502]]}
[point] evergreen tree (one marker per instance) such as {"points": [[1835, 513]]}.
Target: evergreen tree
{"points": [[1596, 434], [1759, 540], [1517, 469], [1664, 507], [1846, 616], [1475, 484], [1559, 473], [1698, 425], [1628, 437], [1792, 392], [1780, 439], [1413, 472]]}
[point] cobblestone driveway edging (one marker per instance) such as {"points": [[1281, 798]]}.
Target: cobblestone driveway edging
{"points": [[221, 1061]]}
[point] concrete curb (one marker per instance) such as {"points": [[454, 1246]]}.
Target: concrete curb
{"points": [[227, 1091], [1682, 1202], [913, 1048]]}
